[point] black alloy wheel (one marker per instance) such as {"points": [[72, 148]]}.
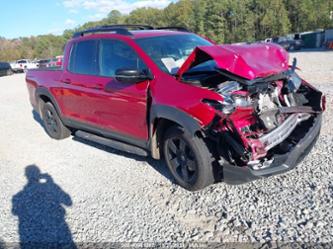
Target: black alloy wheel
{"points": [[188, 159], [52, 123], [182, 160]]}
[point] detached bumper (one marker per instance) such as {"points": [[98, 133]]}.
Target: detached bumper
{"points": [[282, 163]]}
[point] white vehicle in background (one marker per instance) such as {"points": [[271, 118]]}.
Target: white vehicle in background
{"points": [[22, 65]]}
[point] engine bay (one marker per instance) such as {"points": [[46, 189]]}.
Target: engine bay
{"points": [[259, 119]]}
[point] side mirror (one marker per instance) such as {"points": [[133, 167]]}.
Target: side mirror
{"points": [[132, 75]]}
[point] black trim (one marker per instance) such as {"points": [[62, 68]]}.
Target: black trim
{"points": [[175, 115], [175, 28], [44, 91], [112, 143], [281, 164], [103, 29], [124, 29], [105, 133]]}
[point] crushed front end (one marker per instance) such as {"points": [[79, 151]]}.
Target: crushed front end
{"points": [[264, 125]]}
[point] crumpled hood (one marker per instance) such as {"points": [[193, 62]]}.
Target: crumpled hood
{"points": [[247, 61]]}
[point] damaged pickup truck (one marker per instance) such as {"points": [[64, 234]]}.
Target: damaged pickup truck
{"points": [[234, 113]]}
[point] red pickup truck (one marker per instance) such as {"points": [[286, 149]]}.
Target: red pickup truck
{"points": [[214, 112]]}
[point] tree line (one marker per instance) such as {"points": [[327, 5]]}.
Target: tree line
{"points": [[224, 21]]}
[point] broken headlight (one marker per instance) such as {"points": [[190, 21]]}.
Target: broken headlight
{"points": [[231, 99], [240, 100], [229, 90], [226, 106]]}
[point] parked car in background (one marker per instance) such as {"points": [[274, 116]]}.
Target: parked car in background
{"points": [[287, 42], [211, 111], [23, 65], [35, 62], [13, 66], [5, 69], [55, 62], [43, 63]]}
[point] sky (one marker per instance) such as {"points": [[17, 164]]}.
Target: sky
{"points": [[21, 18]]}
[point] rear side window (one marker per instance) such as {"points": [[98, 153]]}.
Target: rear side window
{"points": [[114, 55], [83, 58]]}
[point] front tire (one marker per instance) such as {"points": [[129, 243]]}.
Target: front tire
{"points": [[188, 159], [52, 122]]}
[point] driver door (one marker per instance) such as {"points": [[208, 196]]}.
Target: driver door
{"points": [[101, 100]]}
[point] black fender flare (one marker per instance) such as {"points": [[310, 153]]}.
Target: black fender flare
{"points": [[190, 124], [45, 92]]}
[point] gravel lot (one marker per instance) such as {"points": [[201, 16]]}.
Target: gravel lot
{"points": [[101, 195]]}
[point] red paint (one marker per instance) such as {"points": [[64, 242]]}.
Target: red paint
{"points": [[124, 109], [247, 61]]}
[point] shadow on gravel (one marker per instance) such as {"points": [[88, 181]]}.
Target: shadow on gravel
{"points": [[158, 165], [37, 118], [2, 244], [39, 207]]}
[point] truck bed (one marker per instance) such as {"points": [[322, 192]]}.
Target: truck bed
{"points": [[47, 77]]}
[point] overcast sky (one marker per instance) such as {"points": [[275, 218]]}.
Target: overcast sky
{"points": [[34, 17]]}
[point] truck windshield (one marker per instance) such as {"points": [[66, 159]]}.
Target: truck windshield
{"points": [[170, 52]]}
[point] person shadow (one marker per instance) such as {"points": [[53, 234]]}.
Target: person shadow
{"points": [[2, 244], [39, 207]]}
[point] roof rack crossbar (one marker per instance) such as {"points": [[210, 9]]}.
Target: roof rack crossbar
{"points": [[130, 26], [123, 29], [176, 28], [101, 29]]}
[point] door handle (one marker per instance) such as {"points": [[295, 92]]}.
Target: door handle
{"points": [[67, 81], [109, 87]]}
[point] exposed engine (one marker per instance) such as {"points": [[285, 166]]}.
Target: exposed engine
{"points": [[260, 119], [265, 104], [268, 104]]}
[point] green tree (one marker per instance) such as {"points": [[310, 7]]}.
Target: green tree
{"points": [[275, 20], [199, 13], [114, 17], [216, 23], [148, 16], [180, 14], [225, 21]]}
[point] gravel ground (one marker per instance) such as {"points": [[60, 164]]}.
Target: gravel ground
{"points": [[101, 195]]}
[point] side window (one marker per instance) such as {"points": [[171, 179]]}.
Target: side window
{"points": [[83, 59], [114, 55]]}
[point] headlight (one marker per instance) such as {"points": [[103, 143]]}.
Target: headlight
{"points": [[230, 100], [226, 88], [227, 106], [240, 100]]}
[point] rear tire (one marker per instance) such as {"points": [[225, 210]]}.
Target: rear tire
{"points": [[188, 159], [52, 122]]}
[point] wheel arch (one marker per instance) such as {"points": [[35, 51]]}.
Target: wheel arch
{"points": [[161, 118], [45, 95]]}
